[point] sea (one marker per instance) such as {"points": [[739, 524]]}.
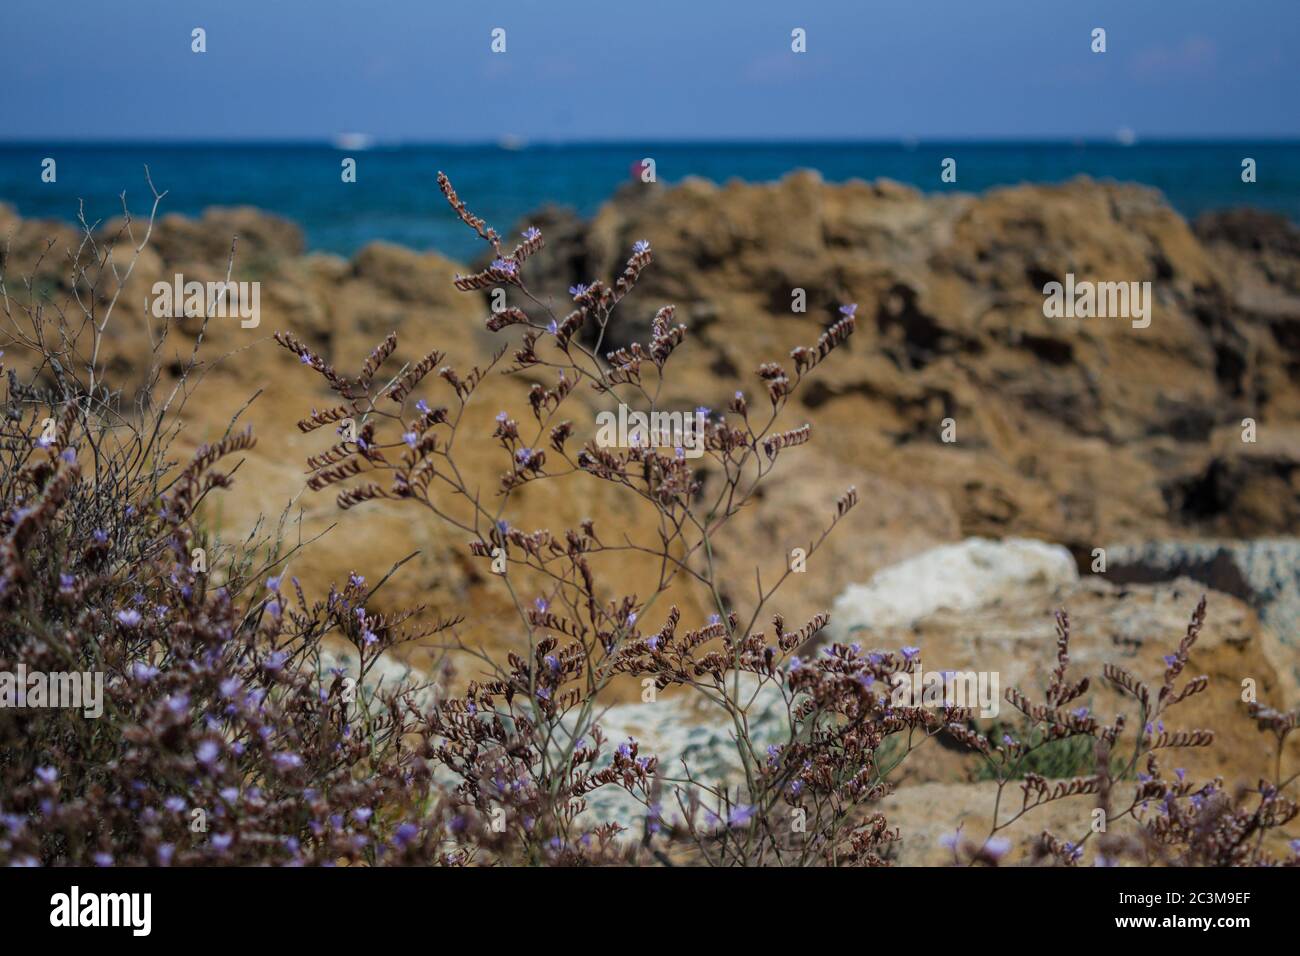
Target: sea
{"points": [[395, 196]]}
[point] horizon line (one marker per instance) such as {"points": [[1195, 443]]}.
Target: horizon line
{"points": [[520, 144]]}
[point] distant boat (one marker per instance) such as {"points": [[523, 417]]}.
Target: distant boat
{"points": [[1126, 137], [353, 141], [512, 143]]}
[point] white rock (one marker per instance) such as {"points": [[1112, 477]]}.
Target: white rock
{"points": [[972, 574]]}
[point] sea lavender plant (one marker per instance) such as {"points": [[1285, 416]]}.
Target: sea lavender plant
{"points": [[228, 736]]}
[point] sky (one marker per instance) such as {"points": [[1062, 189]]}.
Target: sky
{"points": [[596, 70]]}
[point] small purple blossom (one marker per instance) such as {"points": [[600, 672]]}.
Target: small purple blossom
{"points": [[740, 815], [143, 672], [286, 760]]}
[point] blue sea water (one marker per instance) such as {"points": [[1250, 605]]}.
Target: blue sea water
{"points": [[396, 198]]}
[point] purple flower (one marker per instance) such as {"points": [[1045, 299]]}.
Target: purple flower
{"points": [[174, 804], [129, 617], [849, 309], [411, 438], [66, 582], [625, 750], [531, 233], [997, 847], [577, 290], [286, 761], [143, 672], [405, 834], [221, 841], [422, 407], [910, 653], [1170, 660], [207, 751], [273, 583], [362, 814], [304, 358], [524, 455], [508, 266], [103, 859], [640, 246], [165, 853], [47, 774], [739, 816]]}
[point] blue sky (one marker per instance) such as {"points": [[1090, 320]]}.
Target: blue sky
{"points": [[648, 69]]}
